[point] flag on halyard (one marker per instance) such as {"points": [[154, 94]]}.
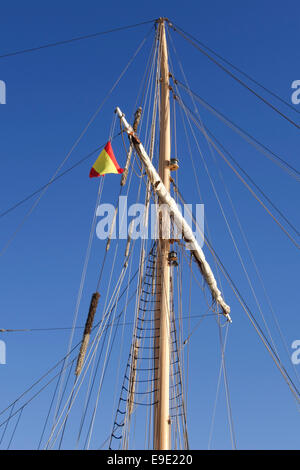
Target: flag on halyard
{"points": [[105, 163]]}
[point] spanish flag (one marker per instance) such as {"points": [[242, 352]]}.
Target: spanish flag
{"points": [[105, 163]]}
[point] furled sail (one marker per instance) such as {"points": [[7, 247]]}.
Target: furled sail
{"points": [[179, 220]]}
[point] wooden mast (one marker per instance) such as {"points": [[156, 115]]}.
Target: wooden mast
{"points": [[162, 424]]}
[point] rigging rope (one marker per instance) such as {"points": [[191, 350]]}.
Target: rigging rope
{"points": [[295, 391], [229, 229], [212, 59], [71, 400], [238, 70], [58, 363], [28, 330], [217, 396], [28, 213], [229, 409], [15, 428], [203, 130], [82, 281], [190, 150], [253, 182], [89, 155], [277, 159], [78, 38]]}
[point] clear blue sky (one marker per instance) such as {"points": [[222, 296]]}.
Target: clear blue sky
{"points": [[51, 95]]}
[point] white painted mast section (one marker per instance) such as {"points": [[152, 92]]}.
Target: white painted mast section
{"points": [[179, 220]]}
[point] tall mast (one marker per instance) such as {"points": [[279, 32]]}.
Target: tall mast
{"points": [[162, 424], [160, 182]]}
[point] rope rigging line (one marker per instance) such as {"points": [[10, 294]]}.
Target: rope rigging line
{"points": [[91, 120], [205, 315], [217, 396], [202, 287], [152, 54], [111, 319], [71, 400], [137, 361], [36, 394], [175, 367], [15, 428], [22, 330], [149, 89], [216, 147], [293, 388], [239, 254], [32, 398], [212, 59], [78, 38], [196, 117], [12, 405], [148, 70], [89, 155], [81, 286], [128, 323], [150, 390], [230, 231], [187, 381], [115, 331], [106, 361], [189, 146], [101, 353], [59, 362], [130, 377], [284, 342], [265, 341], [238, 70], [7, 422], [179, 384], [119, 363], [105, 366], [61, 401], [92, 380], [277, 159], [52, 404], [86, 364], [228, 401], [253, 182]]}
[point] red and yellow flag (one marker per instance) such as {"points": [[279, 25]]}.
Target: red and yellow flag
{"points": [[105, 163]]}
